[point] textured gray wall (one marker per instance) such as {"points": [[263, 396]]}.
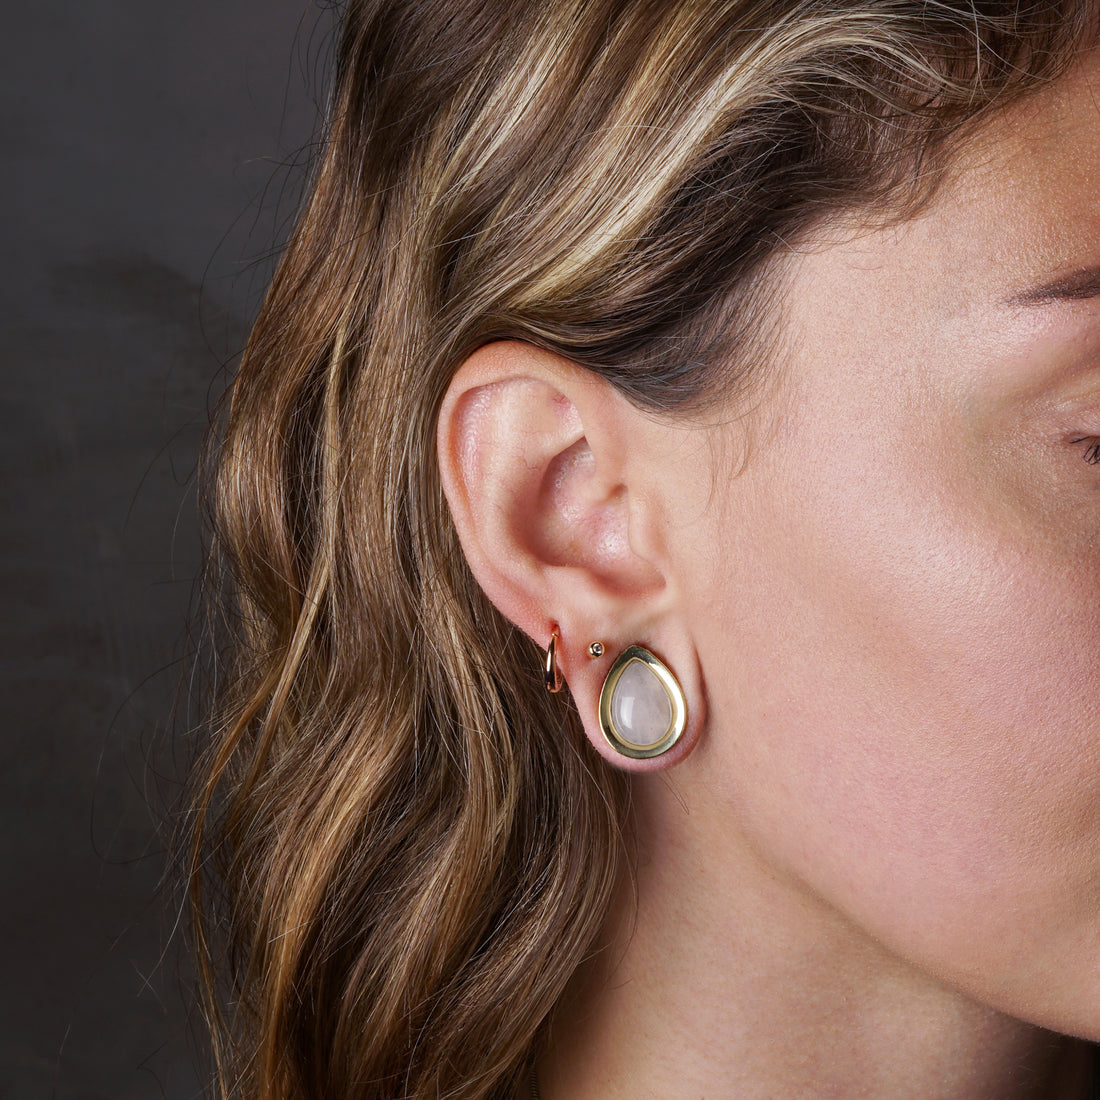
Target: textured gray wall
{"points": [[140, 183]]}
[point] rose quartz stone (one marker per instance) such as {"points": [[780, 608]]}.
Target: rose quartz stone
{"points": [[640, 706]]}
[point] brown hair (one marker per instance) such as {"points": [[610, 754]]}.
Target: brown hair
{"points": [[402, 848]]}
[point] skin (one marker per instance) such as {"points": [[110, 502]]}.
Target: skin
{"points": [[872, 867]]}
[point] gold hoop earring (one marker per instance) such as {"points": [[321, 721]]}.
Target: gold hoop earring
{"points": [[551, 671], [643, 710]]}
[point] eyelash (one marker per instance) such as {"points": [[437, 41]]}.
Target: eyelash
{"points": [[1092, 451]]}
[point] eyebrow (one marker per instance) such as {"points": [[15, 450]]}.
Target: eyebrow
{"points": [[1078, 286]]}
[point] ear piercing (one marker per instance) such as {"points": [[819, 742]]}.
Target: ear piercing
{"points": [[551, 672], [642, 709]]}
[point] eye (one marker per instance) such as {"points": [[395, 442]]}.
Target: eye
{"points": [[1091, 445]]}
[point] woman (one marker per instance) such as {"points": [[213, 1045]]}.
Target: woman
{"points": [[735, 365]]}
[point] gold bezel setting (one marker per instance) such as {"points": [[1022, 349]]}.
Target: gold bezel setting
{"points": [[615, 738]]}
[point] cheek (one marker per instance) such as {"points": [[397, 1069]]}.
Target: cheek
{"points": [[911, 713]]}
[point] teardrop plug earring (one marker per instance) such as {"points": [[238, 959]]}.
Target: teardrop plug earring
{"points": [[643, 710]]}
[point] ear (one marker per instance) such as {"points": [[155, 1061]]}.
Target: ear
{"points": [[557, 489]]}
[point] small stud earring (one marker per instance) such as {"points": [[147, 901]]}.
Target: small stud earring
{"points": [[551, 671], [595, 649], [643, 710]]}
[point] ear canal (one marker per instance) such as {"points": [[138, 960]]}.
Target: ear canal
{"points": [[643, 711]]}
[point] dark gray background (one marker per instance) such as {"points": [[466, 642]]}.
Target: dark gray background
{"points": [[141, 191]]}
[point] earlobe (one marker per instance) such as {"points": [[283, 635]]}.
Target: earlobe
{"points": [[642, 710]]}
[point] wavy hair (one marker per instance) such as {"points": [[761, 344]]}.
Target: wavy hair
{"points": [[401, 848]]}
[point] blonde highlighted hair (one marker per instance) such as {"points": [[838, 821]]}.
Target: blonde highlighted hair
{"points": [[402, 848]]}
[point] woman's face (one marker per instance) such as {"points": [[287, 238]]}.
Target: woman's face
{"points": [[897, 598]]}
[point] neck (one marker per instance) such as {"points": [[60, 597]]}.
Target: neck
{"points": [[724, 981]]}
